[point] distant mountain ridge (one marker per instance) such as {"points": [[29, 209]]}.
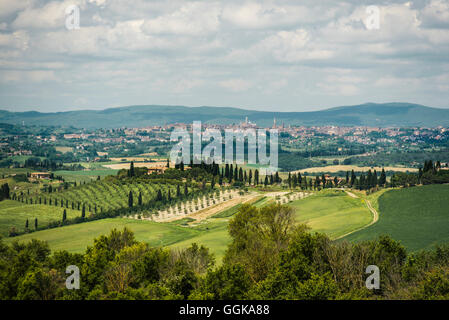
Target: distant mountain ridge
{"points": [[368, 114]]}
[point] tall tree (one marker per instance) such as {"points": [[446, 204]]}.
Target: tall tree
{"points": [[130, 199], [139, 201], [131, 172]]}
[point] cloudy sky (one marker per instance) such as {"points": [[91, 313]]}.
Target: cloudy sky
{"points": [[266, 55]]}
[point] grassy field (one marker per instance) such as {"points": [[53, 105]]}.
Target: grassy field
{"points": [[418, 217], [259, 202], [76, 238], [14, 213], [213, 234], [332, 212], [84, 175]]}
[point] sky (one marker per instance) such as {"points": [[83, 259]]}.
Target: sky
{"points": [[284, 55]]}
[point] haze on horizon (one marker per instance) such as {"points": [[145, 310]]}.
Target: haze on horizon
{"points": [[264, 55]]}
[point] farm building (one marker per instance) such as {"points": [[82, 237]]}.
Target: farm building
{"points": [[40, 175], [157, 169]]}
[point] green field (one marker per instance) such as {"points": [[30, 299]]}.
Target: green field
{"points": [[332, 212], [418, 217], [14, 213], [76, 238], [84, 175], [106, 194], [213, 234]]}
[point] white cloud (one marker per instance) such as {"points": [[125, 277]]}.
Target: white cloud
{"points": [[8, 7], [435, 14], [197, 18], [16, 40], [236, 85], [33, 76], [294, 46], [165, 51]]}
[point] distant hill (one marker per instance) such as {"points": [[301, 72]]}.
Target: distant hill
{"points": [[369, 114]]}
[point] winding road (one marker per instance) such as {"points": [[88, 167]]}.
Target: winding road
{"points": [[370, 207]]}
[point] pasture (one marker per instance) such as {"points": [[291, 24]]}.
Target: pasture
{"points": [[418, 217], [15, 214], [332, 212]]}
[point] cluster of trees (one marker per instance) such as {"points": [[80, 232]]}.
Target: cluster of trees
{"points": [[431, 173], [269, 257], [4, 192], [367, 181]]}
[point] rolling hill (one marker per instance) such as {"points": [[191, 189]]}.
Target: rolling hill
{"points": [[418, 217], [369, 114]]}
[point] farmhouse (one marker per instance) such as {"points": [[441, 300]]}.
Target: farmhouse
{"points": [[157, 168], [41, 175]]}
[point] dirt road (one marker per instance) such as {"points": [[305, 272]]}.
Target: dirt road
{"points": [[370, 207]]}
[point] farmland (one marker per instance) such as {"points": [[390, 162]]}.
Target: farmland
{"points": [[331, 212], [337, 168], [417, 217], [15, 214], [108, 194], [76, 238]]}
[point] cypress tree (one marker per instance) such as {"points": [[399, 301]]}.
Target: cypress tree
{"points": [[64, 216], [140, 199], [353, 178], [130, 199], [131, 170], [383, 178], [35, 223]]}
